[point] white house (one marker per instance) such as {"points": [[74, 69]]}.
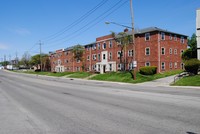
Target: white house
{"points": [[198, 33]]}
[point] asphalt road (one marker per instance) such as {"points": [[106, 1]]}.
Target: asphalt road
{"points": [[31, 104]]}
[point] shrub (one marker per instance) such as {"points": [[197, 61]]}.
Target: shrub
{"points": [[192, 66], [150, 70]]}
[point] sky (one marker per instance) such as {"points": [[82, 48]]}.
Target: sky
{"points": [[57, 24]]}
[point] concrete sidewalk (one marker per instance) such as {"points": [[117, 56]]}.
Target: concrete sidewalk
{"points": [[159, 82]]}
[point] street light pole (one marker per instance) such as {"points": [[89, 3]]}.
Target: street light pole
{"points": [[134, 63], [133, 40]]}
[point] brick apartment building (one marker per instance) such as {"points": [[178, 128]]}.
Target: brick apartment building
{"points": [[153, 47]]}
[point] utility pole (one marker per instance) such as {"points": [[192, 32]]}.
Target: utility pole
{"points": [[133, 40], [40, 44]]}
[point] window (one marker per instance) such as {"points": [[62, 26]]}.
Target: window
{"points": [[119, 53], [147, 36], [182, 66], [99, 46], [78, 60], [88, 48], [163, 51], [182, 39], [77, 68], [66, 53], [147, 64], [119, 67], [130, 66], [94, 67], [110, 43], [182, 52], [99, 67], [170, 65], [163, 65], [170, 36], [88, 57], [104, 45], [94, 47], [59, 62], [175, 37], [94, 56], [99, 57], [162, 36], [110, 56], [66, 61], [147, 51], [175, 65], [104, 56], [170, 51], [130, 53], [110, 67], [175, 51]]}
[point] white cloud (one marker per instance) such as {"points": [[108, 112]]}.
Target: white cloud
{"points": [[3, 47]]}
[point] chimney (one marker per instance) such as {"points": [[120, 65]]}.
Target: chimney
{"points": [[126, 30]]}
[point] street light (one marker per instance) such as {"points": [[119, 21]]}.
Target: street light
{"points": [[133, 37]]}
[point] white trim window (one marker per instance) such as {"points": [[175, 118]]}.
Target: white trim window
{"points": [[104, 56], [147, 36], [94, 56], [110, 67], [163, 65], [78, 60], [175, 64], [130, 66], [119, 53], [110, 56], [88, 57], [94, 47], [110, 44], [119, 66], [130, 53], [170, 36], [99, 46], [170, 65], [175, 51], [98, 67], [147, 64], [147, 51], [162, 51], [182, 52], [104, 45], [182, 40], [170, 51], [99, 57], [162, 36], [175, 37]]}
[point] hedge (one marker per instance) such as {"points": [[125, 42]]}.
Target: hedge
{"points": [[148, 70], [192, 66]]}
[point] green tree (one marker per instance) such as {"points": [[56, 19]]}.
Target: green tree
{"points": [[26, 59], [191, 52], [78, 52], [123, 39]]}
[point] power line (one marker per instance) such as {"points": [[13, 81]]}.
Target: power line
{"points": [[95, 21], [76, 22]]}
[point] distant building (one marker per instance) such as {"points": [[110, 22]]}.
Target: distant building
{"points": [[198, 32], [153, 46]]}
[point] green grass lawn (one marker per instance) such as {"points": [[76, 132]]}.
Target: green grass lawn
{"points": [[61, 74], [126, 76], [189, 81], [113, 76], [79, 75]]}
